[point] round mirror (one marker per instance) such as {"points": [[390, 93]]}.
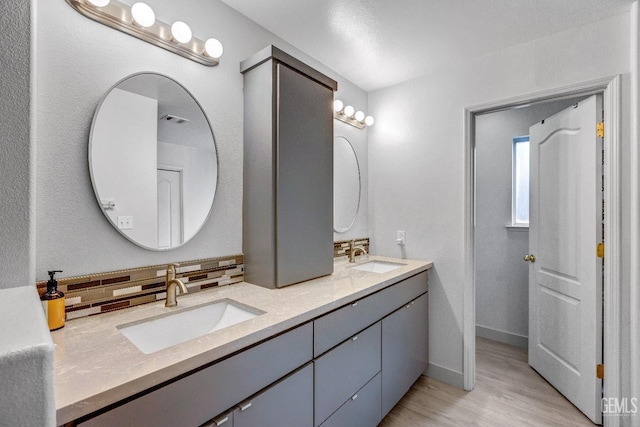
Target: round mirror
{"points": [[346, 185], [153, 161]]}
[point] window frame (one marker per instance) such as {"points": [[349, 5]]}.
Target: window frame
{"points": [[514, 204]]}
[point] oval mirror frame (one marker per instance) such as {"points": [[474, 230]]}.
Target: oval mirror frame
{"points": [[346, 168], [186, 192]]}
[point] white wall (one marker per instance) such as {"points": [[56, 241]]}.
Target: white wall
{"points": [[123, 161], [76, 64], [632, 381], [17, 154], [416, 154], [502, 277]]}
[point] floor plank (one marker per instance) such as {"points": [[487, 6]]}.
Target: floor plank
{"points": [[508, 393]]}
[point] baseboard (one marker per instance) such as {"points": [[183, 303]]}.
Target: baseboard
{"points": [[445, 375], [502, 336]]}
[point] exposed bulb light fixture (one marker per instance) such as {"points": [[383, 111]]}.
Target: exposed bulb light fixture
{"points": [[140, 21], [350, 116], [99, 3], [213, 48], [143, 15], [349, 111], [181, 32]]}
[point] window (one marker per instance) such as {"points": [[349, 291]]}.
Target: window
{"points": [[520, 182]]}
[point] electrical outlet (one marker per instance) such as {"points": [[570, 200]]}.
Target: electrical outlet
{"points": [[400, 237], [125, 222]]}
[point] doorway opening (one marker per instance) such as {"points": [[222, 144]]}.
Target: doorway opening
{"points": [[609, 88]]}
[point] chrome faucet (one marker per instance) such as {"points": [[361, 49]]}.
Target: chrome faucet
{"points": [[172, 284], [353, 249]]}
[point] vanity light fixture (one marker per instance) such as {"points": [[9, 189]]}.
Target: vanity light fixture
{"points": [[349, 115], [181, 32], [140, 21]]}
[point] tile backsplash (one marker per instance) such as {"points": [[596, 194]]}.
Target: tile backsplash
{"points": [[341, 247], [103, 292]]}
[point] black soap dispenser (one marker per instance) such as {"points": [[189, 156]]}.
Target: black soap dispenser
{"points": [[53, 303]]}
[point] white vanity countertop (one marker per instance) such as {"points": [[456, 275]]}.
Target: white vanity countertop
{"points": [[95, 365]]}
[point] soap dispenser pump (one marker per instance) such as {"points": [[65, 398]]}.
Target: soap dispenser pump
{"points": [[53, 303]]}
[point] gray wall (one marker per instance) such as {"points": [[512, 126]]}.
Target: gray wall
{"points": [[76, 64], [17, 157], [416, 158], [502, 277]]}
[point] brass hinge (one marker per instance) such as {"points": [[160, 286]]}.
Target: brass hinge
{"points": [[600, 129], [600, 371], [600, 250]]}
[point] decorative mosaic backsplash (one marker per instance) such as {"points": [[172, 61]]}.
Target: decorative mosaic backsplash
{"points": [[103, 292], [341, 247]]}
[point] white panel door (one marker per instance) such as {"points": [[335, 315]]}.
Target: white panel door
{"points": [[169, 208], [565, 278]]}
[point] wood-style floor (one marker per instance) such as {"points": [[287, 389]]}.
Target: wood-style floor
{"points": [[507, 393]]}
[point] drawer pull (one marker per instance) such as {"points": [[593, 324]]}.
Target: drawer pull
{"points": [[245, 406], [355, 396], [354, 304], [216, 422], [354, 338], [407, 306]]}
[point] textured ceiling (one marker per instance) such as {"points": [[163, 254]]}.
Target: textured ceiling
{"points": [[377, 43]]}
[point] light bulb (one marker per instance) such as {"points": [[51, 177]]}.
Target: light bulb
{"points": [[143, 14], [359, 116], [349, 110], [338, 105], [181, 32], [369, 121], [213, 48], [99, 3]]}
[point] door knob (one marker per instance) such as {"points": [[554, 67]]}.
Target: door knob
{"points": [[530, 258]]}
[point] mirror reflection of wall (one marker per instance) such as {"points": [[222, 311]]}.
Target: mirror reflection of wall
{"points": [[153, 161], [346, 185]]}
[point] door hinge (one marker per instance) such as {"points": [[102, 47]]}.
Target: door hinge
{"points": [[600, 371], [600, 250], [600, 129]]}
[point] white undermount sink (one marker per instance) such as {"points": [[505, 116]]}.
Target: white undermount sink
{"points": [[166, 330], [378, 266]]}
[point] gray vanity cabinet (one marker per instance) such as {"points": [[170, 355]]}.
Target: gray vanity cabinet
{"points": [[341, 372], [361, 410], [289, 402], [288, 170], [201, 396], [405, 343]]}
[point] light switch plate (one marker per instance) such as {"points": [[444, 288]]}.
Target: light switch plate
{"points": [[401, 237]]}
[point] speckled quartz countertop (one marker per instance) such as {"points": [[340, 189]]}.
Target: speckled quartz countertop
{"points": [[95, 365]]}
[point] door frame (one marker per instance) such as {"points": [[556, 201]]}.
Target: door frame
{"points": [[610, 88]]}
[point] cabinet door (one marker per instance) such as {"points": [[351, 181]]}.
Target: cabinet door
{"points": [[304, 202], [287, 403], [405, 341]]}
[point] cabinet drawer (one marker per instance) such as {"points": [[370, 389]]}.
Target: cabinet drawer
{"points": [[202, 395], [289, 402], [337, 326], [394, 297], [344, 370], [361, 410]]}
